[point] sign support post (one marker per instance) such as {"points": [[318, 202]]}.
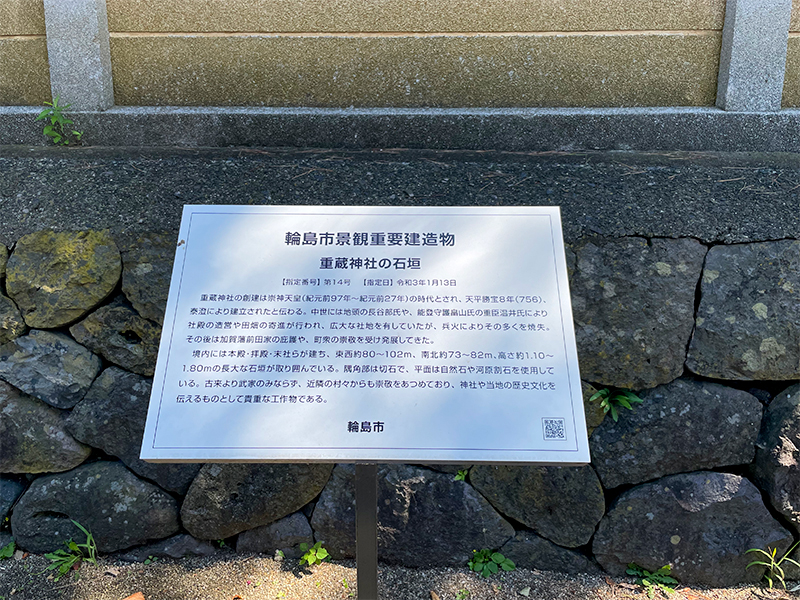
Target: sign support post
{"points": [[367, 531]]}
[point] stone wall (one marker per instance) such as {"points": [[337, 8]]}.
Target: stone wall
{"points": [[703, 470]]}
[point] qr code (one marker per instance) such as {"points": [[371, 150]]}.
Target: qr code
{"points": [[554, 429]]}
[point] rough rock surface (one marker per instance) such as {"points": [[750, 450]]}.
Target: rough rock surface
{"points": [[118, 334], [10, 489], [701, 523], [50, 366], [146, 273], [334, 516], [34, 437], [285, 535], [417, 504], [633, 305], [679, 427], [178, 546], [118, 508], [56, 278], [112, 417], [413, 504], [3, 260], [593, 411], [12, 325], [226, 499], [748, 322], [562, 504], [530, 551], [776, 468]]}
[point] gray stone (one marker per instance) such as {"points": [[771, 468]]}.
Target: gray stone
{"points": [[592, 410], [753, 57], [776, 468], [34, 437], [3, 260], [748, 322], [226, 499], [681, 426], [700, 523], [651, 128], [285, 535], [5, 539], [178, 546], [334, 516], [118, 334], [530, 551], [425, 518], [12, 325], [146, 273], [57, 278], [10, 489], [50, 366], [633, 305], [119, 509], [562, 504], [79, 53], [112, 417]]}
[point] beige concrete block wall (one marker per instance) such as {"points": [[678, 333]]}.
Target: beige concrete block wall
{"points": [[24, 71], [791, 83], [415, 53]]}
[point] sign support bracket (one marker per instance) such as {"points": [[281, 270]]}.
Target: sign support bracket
{"points": [[367, 531]]}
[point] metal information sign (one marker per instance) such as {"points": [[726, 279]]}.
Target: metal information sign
{"points": [[368, 334]]}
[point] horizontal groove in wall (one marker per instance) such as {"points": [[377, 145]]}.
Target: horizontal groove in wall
{"points": [[23, 37], [240, 34]]}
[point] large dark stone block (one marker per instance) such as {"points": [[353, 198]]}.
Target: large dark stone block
{"points": [[119, 509], [748, 322], [562, 504], [226, 499], [633, 305], [700, 523], [680, 427]]}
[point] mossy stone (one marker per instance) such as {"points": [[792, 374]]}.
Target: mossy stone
{"points": [[57, 278]]}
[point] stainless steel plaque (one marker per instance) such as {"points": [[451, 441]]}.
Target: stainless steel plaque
{"points": [[368, 334]]}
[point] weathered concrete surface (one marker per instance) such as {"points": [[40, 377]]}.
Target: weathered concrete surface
{"points": [[438, 71], [22, 17], [633, 306], [413, 15], [748, 321], [25, 76]]}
